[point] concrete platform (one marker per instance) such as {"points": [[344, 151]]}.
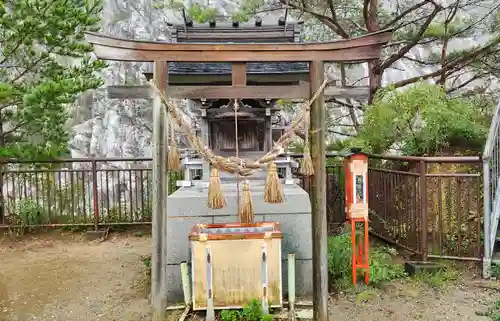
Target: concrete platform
{"points": [[187, 207]]}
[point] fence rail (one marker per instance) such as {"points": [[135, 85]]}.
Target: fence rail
{"points": [[429, 206]]}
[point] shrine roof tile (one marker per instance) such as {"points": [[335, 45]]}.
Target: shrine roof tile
{"points": [[186, 68]]}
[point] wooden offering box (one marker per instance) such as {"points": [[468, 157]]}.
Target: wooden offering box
{"points": [[233, 264]]}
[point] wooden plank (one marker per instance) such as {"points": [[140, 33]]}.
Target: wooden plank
{"points": [[225, 79], [351, 50], [242, 92], [130, 92], [318, 196], [163, 76], [348, 55], [377, 38], [158, 293], [230, 28], [357, 93], [239, 74], [214, 112], [242, 40], [232, 35]]}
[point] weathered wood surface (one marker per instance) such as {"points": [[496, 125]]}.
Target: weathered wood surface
{"points": [[363, 48], [242, 92], [224, 79], [251, 136], [318, 196], [160, 188], [239, 74]]}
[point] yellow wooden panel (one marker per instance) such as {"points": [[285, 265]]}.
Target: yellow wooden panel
{"points": [[236, 276]]}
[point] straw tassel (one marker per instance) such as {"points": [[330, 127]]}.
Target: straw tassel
{"points": [[173, 157], [245, 213], [174, 163], [306, 166], [216, 199], [272, 191]]}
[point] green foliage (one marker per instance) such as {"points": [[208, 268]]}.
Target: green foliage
{"points": [[421, 120], [251, 312], [493, 313], [340, 263], [440, 279], [30, 212], [495, 271], [381, 267], [46, 65], [204, 13], [230, 315]]}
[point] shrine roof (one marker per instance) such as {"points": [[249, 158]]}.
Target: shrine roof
{"points": [[221, 68], [238, 33]]}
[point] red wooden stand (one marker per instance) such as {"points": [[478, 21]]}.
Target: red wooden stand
{"points": [[356, 182], [360, 251]]}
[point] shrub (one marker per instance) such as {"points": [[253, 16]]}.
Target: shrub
{"points": [[30, 212], [495, 271], [340, 263], [251, 312]]}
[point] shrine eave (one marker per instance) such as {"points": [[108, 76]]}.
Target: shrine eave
{"points": [[364, 48], [253, 68]]}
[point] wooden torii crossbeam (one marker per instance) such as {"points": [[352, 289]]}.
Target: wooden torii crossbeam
{"points": [[237, 92], [361, 49]]}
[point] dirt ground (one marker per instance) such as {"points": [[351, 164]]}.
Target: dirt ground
{"points": [[68, 278]]}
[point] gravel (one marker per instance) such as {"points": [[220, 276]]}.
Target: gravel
{"points": [[47, 279], [65, 278]]}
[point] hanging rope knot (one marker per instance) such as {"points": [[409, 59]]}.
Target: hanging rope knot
{"points": [[273, 193], [235, 165], [245, 212]]}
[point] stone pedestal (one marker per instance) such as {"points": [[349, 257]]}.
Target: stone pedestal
{"points": [[187, 207]]}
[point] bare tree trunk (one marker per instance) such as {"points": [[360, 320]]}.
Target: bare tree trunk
{"points": [[352, 109], [370, 10]]}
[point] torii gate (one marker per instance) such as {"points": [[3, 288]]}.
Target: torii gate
{"points": [[361, 49]]}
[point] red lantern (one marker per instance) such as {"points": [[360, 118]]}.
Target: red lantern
{"points": [[356, 183]]}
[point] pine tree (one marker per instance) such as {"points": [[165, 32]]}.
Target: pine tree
{"points": [[44, 65]]}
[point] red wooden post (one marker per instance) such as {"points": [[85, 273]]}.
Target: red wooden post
{"points": [[356, 183], [95, 193]]}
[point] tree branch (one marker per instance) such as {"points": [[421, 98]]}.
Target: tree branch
{"points": [[425, 63], [465, 83], [404, 14], [341, 30], [415, 40], [331, 131], [329, 22], [343, 104], [366, 4], [20, 42], [451, 66]]}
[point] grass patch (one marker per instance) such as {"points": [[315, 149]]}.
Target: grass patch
{"points": [[493, 313], [251, 312], [448, 275], [382, 268], [495, 271]]}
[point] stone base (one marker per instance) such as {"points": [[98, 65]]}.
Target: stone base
{"points": [[412, 268], [95, 235], [187, 207]]}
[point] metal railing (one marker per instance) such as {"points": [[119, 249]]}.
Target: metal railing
{"points": [[430, 206], [491, 173]]}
